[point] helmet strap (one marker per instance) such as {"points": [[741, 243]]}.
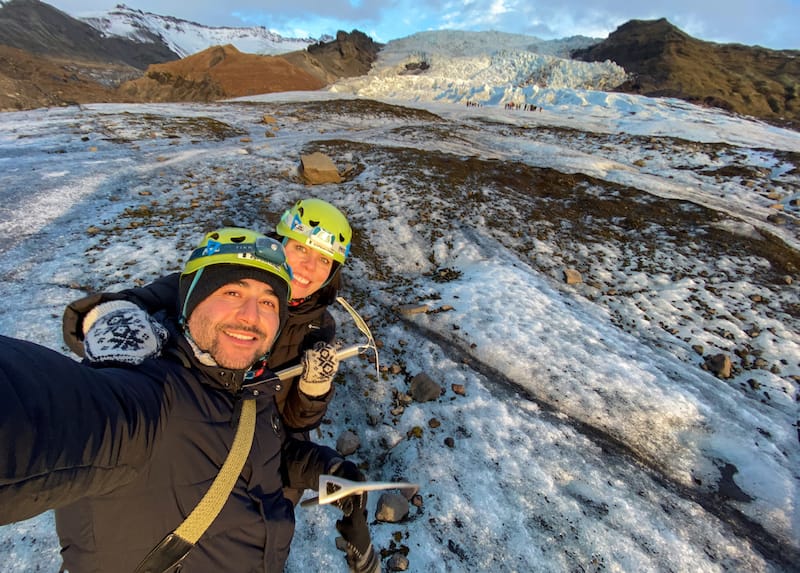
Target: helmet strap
{"points": [[335, 269], [184, 319]]}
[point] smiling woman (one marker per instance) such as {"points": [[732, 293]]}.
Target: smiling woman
{"points": [[317, 237]]}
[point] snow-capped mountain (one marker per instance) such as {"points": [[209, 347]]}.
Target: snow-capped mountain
{"points": [[185, 38], [480, 67]]}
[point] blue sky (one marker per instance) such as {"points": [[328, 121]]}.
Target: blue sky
{"points": [[769, 23]]}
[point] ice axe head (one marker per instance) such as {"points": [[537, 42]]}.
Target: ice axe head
{"points": [[333, 488]]}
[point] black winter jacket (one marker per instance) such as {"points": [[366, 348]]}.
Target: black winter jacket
{"points": [[125, 454], [308, 323]]}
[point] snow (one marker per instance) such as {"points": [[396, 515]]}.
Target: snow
{"points": [[186, 38], [589, 437]]}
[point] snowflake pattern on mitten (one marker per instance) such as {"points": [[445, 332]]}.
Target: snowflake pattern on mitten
{"points": [[127, 335]]}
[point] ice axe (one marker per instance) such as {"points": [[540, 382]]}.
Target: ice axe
{"points": [[332, 488], [344, 353]]}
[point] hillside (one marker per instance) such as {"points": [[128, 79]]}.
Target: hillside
{"points": [[666, 62], [43, 30], [28, 81], [225, 72], [216, 73], [595, 416]]}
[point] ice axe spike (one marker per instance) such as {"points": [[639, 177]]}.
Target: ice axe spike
{"points": [[345, 487]]}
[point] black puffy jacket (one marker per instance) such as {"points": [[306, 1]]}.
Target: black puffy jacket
{"points": [[308, 323], [125, 454]]}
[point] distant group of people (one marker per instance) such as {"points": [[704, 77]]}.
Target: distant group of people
{"points": [[126, 444], [508, 105], [522, 107]]}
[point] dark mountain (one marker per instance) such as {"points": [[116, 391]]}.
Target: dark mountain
{"points": [[48, 58], [666, 62], [43, 30], [348, 55]]}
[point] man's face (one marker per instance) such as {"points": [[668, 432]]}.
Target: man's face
{"points": [[310, 268], [237, 323]]}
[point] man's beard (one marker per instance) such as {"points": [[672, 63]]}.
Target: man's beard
{"points": [[210, 342]]}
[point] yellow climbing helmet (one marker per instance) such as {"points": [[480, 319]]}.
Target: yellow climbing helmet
{"points": [[230, 254], [319, 225], [237, 246]]}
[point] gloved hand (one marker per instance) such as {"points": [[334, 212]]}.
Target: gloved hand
{"points": [[120, 331], [351, 503], [361, 556], [355, 531], [319, 367]]}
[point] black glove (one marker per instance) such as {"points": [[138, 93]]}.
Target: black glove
{"points": [[361, 556], [354, 530], [351, 503]]}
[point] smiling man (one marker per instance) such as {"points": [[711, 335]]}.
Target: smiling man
{"points": [[232, 310], [236, 323], [125, 454]]}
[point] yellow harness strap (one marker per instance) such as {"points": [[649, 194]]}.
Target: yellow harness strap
{"points": [[174, 547]]}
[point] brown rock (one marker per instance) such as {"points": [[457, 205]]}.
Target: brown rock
{"points": [[424, 389], [317, 168], [719, 364], [414, 308]]}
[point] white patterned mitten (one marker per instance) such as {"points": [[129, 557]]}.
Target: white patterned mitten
{"points": [[320, 364], [120, 331]]}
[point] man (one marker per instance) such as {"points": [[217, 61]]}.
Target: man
{"points": [[124, 455]]}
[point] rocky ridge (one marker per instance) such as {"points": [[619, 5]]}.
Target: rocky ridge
{"points": [[216, 73], [663, 61]]}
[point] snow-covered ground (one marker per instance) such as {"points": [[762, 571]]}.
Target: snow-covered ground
{"points": [[589, 436]]}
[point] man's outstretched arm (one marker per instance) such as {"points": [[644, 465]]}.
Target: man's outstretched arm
{"points": [[68, 430]]}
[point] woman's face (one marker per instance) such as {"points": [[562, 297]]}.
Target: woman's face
{"points": [[310, 268]]}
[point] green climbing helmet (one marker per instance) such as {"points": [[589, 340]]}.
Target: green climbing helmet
{"points": [[319, 225], [243, 247]]}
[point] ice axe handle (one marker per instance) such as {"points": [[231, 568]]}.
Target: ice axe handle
{"points": [[342, 354]]}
